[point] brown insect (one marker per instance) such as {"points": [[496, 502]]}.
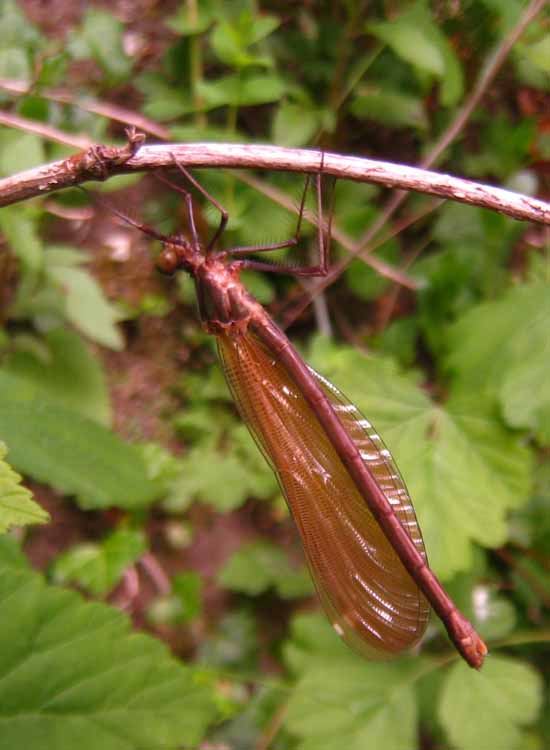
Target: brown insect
{"points": [[358, 527]]}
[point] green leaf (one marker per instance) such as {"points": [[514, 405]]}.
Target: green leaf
{"points": [[11, 554], [18, 224], [69, 375], [225, 489], [502, 350], [70, 452], [538, 54], [489, 708], [17, 508], [258, 566], [73, 674], [86, 306], [295, 124], [231, 39], [506, 148], [411, 42], [98, 568], [311, 638], [191, 22], [464, 471], [393, 108], [353, 704], [243, 90], [415, 38], [364, 281], [187, 588], [183, 605], [102, 33], [258, 285], [398, 340], [242, 471]]}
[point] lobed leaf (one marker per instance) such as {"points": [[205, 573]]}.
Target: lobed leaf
{"points": [[490, 707], [17, 508], [354, 705], [72, 674]]}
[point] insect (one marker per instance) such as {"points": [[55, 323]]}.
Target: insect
{"points": [[357, 524]]}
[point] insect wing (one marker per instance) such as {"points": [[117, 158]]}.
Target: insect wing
{"points": [[369, 597]]}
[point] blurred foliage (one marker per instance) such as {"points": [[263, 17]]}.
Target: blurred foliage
{"points": [[112, 404]]}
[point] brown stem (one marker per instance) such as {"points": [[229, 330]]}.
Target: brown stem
{"points": [[89, 104], [101, 162]]}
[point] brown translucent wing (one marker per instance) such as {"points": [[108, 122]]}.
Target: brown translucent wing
{"points": [[368, 595]]}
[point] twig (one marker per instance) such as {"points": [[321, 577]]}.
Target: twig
{"points": [[101, 162], [104, 109], [154, 570], [46, 131]]}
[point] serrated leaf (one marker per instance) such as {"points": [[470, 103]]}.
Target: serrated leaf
{"points": [[354, 705], [86, 306], [98, 568], [60, 447], [502, 350], [70, 376], [489, 708], [73, 674], [258, 566], [17, 508], [464, 471]]}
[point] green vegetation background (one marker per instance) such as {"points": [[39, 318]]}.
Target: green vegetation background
{"points": [[193, 619]]}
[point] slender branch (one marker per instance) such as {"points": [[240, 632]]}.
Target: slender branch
{"points": [[43, 130], [101, 162], [89, 104]]}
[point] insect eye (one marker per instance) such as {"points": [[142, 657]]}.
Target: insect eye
{"points": [[168, 260]]}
